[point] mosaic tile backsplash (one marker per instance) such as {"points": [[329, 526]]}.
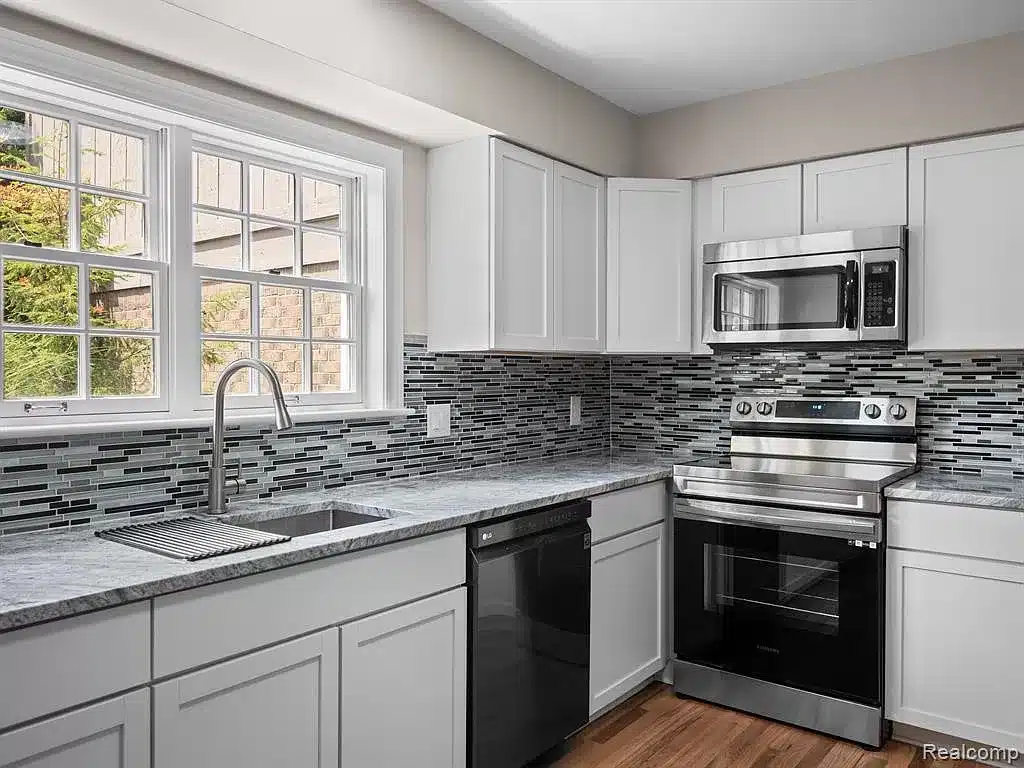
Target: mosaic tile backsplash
{"points": [[504, 408], [970, 405], [509, 408]]}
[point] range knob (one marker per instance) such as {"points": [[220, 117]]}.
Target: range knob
{"points": [[742, 407], [897, 411], [872, 411], [764, 408]]}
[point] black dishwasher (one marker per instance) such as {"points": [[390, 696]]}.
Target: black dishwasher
{"points": [[529, 634]]}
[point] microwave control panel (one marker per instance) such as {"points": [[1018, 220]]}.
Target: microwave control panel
{"points": [[880, 294]]}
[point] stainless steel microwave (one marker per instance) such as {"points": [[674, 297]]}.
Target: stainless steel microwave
{"points": [[832, 287]]}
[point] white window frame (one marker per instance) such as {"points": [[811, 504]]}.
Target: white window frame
{"points": [[153, 262], [353, 243], [179, 114]]}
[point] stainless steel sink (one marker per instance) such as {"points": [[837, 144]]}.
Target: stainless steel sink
{"points": [[311, 522]]}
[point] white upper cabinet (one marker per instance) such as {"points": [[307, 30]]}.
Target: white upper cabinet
{"points": [[523, 237], [516, 251], [701, 235], [579, 259], [868, 190], [649, 266], [966, 244], [757, 204]]}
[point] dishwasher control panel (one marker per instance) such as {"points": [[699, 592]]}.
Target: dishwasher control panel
{"points": [[529, 524]]}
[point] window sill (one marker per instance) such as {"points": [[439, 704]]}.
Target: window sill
{"points": [[54, 427]]}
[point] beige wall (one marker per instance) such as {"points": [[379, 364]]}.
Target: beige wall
{"points": [[412, 49], [393, 64], [969, 88]]}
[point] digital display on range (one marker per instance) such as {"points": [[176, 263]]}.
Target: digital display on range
{"points": [[821, 409]]}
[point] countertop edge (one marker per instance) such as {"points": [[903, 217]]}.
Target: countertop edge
{"points": [[942, 488], [263, 561]]}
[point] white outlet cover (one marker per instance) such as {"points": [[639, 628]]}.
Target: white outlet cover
{"points": [[439, 420], [575, 410]]}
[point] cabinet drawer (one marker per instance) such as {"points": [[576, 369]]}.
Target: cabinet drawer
{"points": [[618, 512], [65, 663], [202, 625], [994, 534]]}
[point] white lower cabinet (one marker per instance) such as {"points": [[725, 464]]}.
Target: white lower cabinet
{"points": [[627, 614], [275, 707], [953, 649], [403, 686], [111, 734]]}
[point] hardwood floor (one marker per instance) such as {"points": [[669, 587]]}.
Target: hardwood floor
{"points": [[655, 729]]}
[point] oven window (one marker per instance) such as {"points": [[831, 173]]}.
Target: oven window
{"points": [[800, 592], [771, 301]]}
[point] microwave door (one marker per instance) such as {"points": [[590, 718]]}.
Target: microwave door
{"points": [[769, 301]]}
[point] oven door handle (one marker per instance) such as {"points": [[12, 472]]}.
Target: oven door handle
{"points": [[788, 520]]}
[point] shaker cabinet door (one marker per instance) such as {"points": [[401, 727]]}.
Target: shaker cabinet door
{"points": [[953, 646], [627, 615], [756, 204], [649, 265], [856, 191], [272, 708], [523, 241], [403, 686], [966, 244], [579, 260], [111, 734]]}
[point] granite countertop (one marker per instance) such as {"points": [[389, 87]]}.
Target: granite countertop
{"points": [[1002, 491], [56, 574]]}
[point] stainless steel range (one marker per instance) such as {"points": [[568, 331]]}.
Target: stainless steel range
{"points": [[780, 561]]}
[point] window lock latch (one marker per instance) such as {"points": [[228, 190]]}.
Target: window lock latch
{"points": [[61, 407]]}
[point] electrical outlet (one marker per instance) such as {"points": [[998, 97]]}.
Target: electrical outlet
{"points": [[575, 410], [439, 420]]}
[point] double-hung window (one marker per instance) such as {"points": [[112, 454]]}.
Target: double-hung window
{"points": [[83, 265], [278, 269], [143, 249]]}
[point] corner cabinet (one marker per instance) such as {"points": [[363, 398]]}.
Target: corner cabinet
{"points": [[403, 686], [515, 249], [649, 266], [270, 708], [112, 734], [965, 244]]}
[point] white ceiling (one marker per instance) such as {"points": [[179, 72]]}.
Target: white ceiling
{"points": [[651, 55]]}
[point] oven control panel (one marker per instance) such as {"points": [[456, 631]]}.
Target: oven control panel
{"points": [[869, 411], [880, 294]]}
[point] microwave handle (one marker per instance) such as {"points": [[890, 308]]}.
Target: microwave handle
{"points": [[851, 302]]}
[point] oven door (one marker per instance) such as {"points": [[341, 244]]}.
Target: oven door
{"points": [[787, 596], [780, 300]]}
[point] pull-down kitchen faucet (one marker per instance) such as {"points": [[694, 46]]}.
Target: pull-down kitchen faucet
{"points": [[282, 420]]}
